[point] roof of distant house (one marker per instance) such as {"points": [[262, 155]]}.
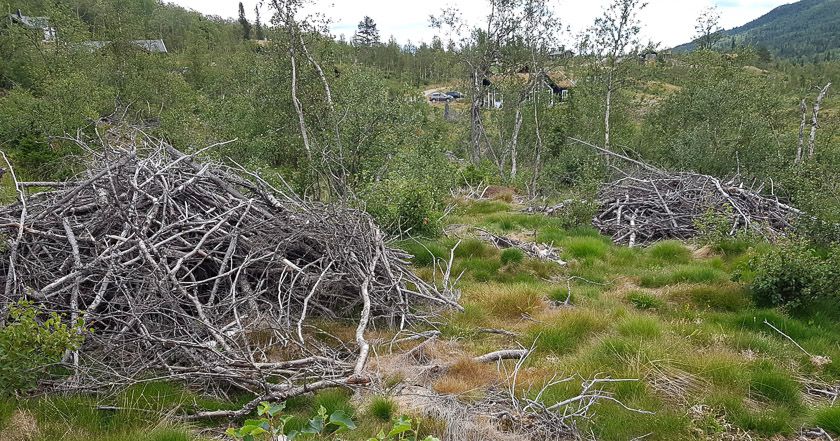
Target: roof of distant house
{"points": [[153, 46], [30, 22]]}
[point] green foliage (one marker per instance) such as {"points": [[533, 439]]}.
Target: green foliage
{"points": [[31, 343], [795, 274], [720, 297], [273, 422], [402, 430], [586, 247]]}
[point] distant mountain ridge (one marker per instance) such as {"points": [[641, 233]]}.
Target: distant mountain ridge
{"points": [[805, 29]]}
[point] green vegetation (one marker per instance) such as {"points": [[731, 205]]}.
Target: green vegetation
{"points": [[31, 343]]}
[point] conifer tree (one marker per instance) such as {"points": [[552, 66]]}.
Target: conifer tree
{"points": [[246, 26], [367, 34]]}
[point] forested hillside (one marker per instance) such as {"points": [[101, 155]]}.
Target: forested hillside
{"points": [[805, 30], [249, 229]]}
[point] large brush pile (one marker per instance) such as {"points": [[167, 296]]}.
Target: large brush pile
{"points": [[649, 205], [187, 271]]}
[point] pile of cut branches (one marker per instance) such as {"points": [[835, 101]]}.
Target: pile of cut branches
{"points": [[644, 207], [646, 204], [204, 274]]}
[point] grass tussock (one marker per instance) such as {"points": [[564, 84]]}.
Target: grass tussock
{"points": [[507, 301], [698, 273], [382, 408], [720, 297], [642, 300], [640, 327], [670, 251], [565, 333]]}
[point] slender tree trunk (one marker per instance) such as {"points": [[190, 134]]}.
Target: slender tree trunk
{"points": [[607, 111], [517, 127], [815, 121], [532, 190], [475, 118], [803, 107]]}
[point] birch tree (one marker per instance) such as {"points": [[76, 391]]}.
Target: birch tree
{"points": [[615, 34]]}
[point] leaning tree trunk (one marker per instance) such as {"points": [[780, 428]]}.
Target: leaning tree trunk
{"points": [[815, 121], [804, 109]]}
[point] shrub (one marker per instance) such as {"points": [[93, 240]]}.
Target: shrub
{"points": [[512, 255], [402, 206], [795, 275], [31, 343]]}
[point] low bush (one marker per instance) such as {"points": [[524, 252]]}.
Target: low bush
{"points": [[31, 343], [794, 274]]}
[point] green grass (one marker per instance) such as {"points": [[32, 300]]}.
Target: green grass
{"points": [[828, 418], [642, 300], [382, 408], [682, 274], [718, 297], [566, 333], [640, 327], [512, 256], [586, 247], [670, 251], [776, 386]]}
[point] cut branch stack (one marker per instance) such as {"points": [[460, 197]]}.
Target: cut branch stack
{"points": [[204, 274], [649, 205]]}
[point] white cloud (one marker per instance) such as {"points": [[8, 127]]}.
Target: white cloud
{"points": [[670, 22]]}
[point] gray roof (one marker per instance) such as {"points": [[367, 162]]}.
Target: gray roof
{"points": [[31, 22], [153, 46]]}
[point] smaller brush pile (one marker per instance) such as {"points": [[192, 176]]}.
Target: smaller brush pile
{"points": [[646, 204], [188, 271]]}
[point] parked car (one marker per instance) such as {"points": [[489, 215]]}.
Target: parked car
{"points": [[455, 95], [438, 96]]}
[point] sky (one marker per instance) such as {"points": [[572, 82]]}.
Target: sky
{"points": [[669, 22]]}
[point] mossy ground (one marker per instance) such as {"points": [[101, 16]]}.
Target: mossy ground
{"points": [[676, 323]]}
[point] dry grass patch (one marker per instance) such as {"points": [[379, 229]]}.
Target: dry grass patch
{"points": [[466, 376], [22, 426], [507, 301]]}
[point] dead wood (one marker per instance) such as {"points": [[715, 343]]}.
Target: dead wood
{"points": [[207, 275], [646, 204]]}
